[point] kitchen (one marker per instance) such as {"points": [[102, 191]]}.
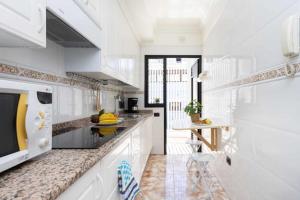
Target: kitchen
{"points": [[84, 92]]}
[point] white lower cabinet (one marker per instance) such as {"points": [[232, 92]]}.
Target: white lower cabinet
{"points": [[108, 169], [146, 140], [85, 188], [141, 147], [101, 181], [136, 152]]}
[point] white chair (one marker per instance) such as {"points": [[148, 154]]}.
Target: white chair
{"points": [[201, 161], [195, 145]]}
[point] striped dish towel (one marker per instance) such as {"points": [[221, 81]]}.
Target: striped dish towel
{"points": [[128, 186]]}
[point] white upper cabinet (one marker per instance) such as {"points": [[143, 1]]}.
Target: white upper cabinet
{"points": [[120, 50], [23, 23], [119, 54], [91, 8]]}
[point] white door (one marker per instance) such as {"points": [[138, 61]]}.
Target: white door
{"points": [[23, 23]]}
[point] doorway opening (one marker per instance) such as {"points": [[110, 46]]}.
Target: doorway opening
{"points": [[178, 81], [169, 84]]}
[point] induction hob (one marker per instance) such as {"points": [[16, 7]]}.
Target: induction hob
{"points": [[85, 138]]}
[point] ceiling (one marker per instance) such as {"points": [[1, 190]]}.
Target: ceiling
{"points": [[167, 21]]}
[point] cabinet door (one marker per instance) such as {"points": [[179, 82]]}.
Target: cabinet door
{"points": [[109, 166], [146, 141], [86, 187], [91, 8], [99, 190], [120, 49], [88, 193], [136, 153], [149, 127], [23, 23]]}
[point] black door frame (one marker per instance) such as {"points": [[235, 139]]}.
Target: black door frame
{"points": [[199, 92], [146, 103]]}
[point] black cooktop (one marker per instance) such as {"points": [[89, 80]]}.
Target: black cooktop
{"points": [[85, 138]]}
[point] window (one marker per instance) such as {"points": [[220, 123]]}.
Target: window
{"points": [[154, 81]]}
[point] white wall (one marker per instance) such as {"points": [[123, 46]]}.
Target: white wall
{"points": [[158, 132], [69, 103], [49, 60], [264, 141]]}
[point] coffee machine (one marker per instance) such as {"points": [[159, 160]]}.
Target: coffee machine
{"points": [[133, 105]]}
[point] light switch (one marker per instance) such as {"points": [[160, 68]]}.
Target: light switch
{"points": [[156, 114]]}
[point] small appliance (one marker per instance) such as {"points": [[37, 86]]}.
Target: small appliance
{"points": [[133, 105], [25, 122], [85, 138]]}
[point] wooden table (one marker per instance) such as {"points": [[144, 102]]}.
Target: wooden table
{"points": [[215, 131]]}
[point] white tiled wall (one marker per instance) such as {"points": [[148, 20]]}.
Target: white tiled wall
{"points": [[74, 103], [71, 103], [264, 141]]}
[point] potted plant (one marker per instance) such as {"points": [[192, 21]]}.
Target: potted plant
{"points": [[193, 109], [157, 100]]}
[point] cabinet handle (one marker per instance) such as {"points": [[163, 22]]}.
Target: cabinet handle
{"points": [[42, 17]]}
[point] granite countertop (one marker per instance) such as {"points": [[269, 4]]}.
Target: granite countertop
{"points": [[49, 175]]}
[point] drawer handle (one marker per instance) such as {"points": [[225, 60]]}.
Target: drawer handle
{"points": [[99, 178]]}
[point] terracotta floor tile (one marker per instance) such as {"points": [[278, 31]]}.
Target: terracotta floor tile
{"points": [[167, 178]]}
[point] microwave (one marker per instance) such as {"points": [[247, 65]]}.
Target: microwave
{"points": [[25, 122]]}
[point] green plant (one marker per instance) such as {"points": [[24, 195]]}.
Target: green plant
{"points": [[194, 107], [157, 100]]}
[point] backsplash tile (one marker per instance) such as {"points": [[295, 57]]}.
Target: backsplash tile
{"points": [[74, 96]]}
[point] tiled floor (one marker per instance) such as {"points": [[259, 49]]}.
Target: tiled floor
{"points": [[167, 178], [176, 142]]}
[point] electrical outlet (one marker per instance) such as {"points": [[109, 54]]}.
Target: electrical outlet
{"points": [[228, 160]]}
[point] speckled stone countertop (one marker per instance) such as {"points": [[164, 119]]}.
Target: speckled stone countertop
{"points": [[49, 175]]}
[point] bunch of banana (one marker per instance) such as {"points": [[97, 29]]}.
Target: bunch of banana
{"points": [[108, 118]]}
